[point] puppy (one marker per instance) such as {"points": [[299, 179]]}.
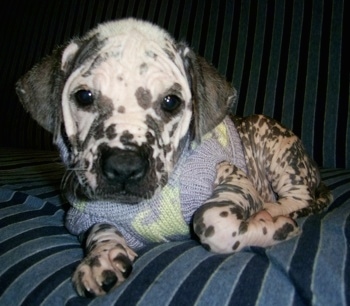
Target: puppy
{"points": [[142, 124]]}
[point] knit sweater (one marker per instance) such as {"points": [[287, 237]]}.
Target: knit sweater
{"points": [[167, 215]]}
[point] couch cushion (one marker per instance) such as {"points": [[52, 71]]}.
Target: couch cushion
{"points": [[38, 255]]}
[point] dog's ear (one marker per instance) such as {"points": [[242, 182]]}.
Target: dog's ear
{"points": [[213, 96], [40, 88]]}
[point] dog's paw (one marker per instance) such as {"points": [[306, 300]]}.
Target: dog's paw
{"points": [[103, 269]]}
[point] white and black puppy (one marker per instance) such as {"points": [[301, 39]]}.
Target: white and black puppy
{"points": [[142, 126]]}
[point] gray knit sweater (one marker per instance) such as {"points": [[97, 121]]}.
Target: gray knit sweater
{"points": [[167, 215]]}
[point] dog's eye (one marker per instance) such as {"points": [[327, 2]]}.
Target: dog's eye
{"points": [[171, 103], [84, 97]]}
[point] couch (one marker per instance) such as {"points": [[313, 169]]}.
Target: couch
{"points": [[286, 58]]}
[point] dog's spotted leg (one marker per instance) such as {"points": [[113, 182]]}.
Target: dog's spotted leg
{"points": [[285, 176], [233, 217], [107, 264]]}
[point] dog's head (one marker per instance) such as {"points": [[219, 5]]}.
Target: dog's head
{"points": [[121, 103]]}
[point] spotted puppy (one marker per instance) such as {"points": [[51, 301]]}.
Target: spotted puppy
{"points": [[141, 124]]}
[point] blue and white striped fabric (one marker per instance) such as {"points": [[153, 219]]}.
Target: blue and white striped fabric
{"points": [[288, 59], [38, 255]]}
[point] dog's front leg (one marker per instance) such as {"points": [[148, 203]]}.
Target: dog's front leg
{"points": [[107, 264], [233, 217]]}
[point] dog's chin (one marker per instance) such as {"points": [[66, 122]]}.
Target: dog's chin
{"points": [[113, 193], [127, 199], [114, 196]]}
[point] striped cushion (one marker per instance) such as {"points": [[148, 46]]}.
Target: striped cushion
{"points": [[286, 58], [38, 255]]}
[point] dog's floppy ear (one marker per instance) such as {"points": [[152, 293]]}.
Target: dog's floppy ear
{"points": [[40, 88], [213, 96]]}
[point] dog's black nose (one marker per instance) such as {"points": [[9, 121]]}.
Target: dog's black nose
{"points": [[124, 166]]}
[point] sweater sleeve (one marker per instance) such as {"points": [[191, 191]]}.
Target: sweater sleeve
{"points": [[199, 173]]}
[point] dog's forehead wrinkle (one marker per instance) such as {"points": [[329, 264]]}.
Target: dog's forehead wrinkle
{"points": [[153, 55], [170, 54], [88, 48], [153, 77], [111, 52]]}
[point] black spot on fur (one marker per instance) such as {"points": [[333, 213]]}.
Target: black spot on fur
{"points": [[243, 228], [150, 138], [198, 222], [105, 108], [144, 97], [238, 211], [224, 214], [173, 129], [126, 137], [199, 228], [95, 261], [99, 131], [159, 165], [157, 126], [170, 54], [167, 148], [151, 54], [282, 233], [264, 230], [210, 231], [236, 245], [143, 68], [110, 132]]}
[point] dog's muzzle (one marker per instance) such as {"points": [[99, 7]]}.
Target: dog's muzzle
{"points": [[124, 167], [125, 175]]}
